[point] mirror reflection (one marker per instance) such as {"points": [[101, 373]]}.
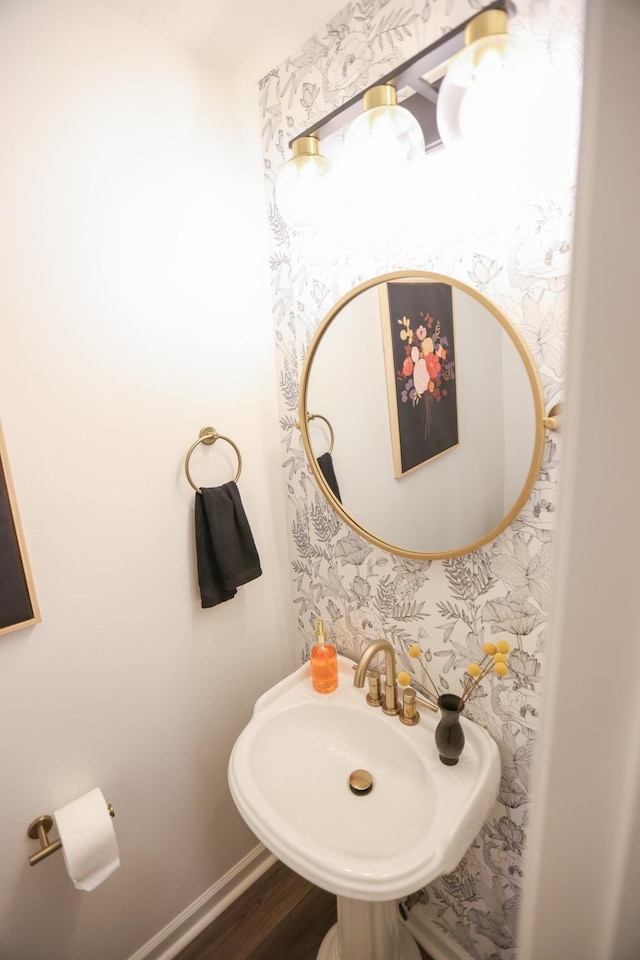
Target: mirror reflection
{"points": [[436, 411]]}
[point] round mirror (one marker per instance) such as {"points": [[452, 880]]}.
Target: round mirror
{"points": [[422, 415]]}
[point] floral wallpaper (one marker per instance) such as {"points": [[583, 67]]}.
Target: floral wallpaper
{"points": [[519, 257]]}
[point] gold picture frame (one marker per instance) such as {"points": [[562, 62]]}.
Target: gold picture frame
{"points": [[18, 602], [541, 422]]}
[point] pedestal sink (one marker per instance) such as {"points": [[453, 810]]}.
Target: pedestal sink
{"points": [[289, 777]]}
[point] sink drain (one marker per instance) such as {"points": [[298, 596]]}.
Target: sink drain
{"points": [[360, 782]]}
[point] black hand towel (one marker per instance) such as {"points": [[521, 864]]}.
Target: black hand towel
{"points": [[326, 466], [212, 590], [225, 548]]}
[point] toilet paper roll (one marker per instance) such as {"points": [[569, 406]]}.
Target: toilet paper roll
{"points": [[88, 840]]}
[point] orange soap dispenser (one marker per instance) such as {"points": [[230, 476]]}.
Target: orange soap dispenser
{"points": [[324, 661]]}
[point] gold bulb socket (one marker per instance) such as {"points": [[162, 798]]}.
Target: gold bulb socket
{"points": [[384, 95], [489, 23], [305, 147]]}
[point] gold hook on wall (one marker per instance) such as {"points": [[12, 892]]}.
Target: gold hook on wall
{"points": [[552, 422]]}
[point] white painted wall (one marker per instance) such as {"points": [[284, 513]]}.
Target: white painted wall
{"points": [[134, 309], [582, 879]]}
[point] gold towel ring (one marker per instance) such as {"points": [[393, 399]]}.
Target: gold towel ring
{"points": [[209, 435], [318, 416]]}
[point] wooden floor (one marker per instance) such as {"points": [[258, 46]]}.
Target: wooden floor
{"points": [[280, 917]]}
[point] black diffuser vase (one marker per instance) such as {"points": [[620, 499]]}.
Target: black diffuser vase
{"points": [[449, 732]]}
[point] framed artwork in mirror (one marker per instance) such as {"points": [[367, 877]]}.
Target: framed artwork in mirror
{"points": [[18, 604], [420, 363]]}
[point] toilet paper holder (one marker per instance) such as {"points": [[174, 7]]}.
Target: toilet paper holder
{"points": [[38, 830]]}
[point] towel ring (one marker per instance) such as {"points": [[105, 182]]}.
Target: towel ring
{"points": [[318, 416], [209, 435]]}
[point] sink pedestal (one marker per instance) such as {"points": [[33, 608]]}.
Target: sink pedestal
{"points": [[368, 931]]}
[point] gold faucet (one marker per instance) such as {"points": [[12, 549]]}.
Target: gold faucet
{"points": [[390, 703]]}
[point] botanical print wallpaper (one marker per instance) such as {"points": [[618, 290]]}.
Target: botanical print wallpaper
{"points": [[519, 256]]}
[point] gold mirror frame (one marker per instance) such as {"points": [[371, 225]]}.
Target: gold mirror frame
{"points": [[538, 399]]}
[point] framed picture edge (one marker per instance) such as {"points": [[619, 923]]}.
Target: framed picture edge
{"points": [[22, 547], [387, 345]]}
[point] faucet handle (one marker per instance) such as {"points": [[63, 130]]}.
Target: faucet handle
{"points": [[408, 712], [374, 697], [429, 704]]}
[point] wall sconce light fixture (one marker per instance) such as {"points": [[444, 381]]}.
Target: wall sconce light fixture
{"points": [[400, 121]]}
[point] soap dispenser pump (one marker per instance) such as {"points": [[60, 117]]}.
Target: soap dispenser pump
{"points": [[324, 661]]}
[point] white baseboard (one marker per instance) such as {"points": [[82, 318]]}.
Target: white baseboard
{"points": [[437, 944], [176, 935]]}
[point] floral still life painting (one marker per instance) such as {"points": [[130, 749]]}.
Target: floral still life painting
{"points": [[417, 319]]}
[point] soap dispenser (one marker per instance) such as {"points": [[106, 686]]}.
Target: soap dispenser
{"points": [[324, 661]]}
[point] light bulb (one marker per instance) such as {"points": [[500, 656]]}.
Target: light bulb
{"points": [[480, 96], [300, 188], [386, 135]]}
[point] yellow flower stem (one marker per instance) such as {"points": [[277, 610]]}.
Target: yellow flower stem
{"points": [[472, 681], [425, 673], [486, 665]]}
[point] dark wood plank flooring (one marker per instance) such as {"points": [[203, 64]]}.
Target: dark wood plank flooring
{"points": [[280, 917]]}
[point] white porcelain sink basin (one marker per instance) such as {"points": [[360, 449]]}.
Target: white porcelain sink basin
{"points": [[289, 777]]}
